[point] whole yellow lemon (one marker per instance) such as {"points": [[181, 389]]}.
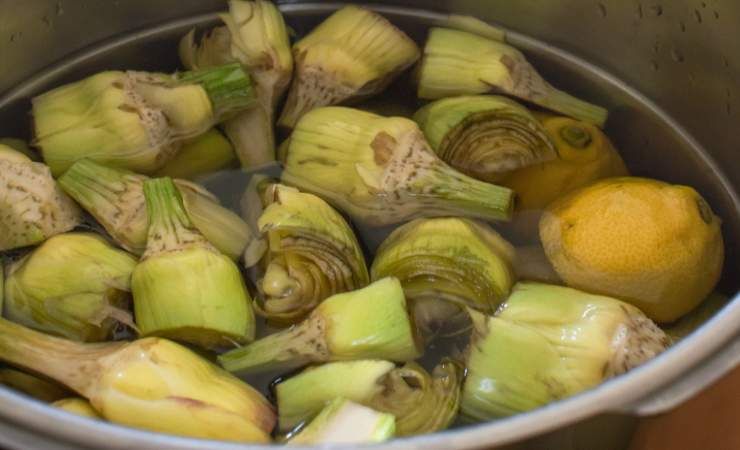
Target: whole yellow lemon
{"points": [[656, 245]]}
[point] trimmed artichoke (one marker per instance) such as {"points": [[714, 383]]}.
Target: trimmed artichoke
{"points": [[20, 146], [484, 136], [184, 288], [382, 171], [115, 197], [312, 254], [74, 285], [421, 403], [150, 383], [209, 152], [346, 422], [255, 35], [550, 342], [33, 207], [31, 385], [455, 260], [371, 322], [460, 63], [353, 54], [77, 405], [135, 120]]}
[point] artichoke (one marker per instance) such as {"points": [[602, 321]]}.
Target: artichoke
{"points": [[484, 136], [149, 383], [20, 146], [31, 385], [77, 405], [353, 54], [382, 171], [33, 207], [184, 288], [371, 322], [209, 152], [346, 422], [255, 35], [115, 197], [421, 403], [313, 254], [458, 261], [135, 120], [460, 63], [550, 342], [74, 285]]}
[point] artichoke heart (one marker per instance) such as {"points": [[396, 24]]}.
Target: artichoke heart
{"points": [[313, 254], [382, 171], [33, 207], [135, 120], [460, 63], [77, 405], [367, 323], [115, 197], [150, 383], [421, 403], [346, 422], [254, 35], [549, 342], [74, 285], [485, 135], [353, 54], [209, 152], [184, 288], [447, 259]]}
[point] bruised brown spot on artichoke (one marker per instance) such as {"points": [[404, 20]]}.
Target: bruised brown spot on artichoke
{"points": [[384, 145]]}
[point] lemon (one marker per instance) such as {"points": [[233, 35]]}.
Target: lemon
{"points": [[656, 245], [585, 155]]}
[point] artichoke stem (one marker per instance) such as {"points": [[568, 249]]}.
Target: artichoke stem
{"points": [[170, 228], [293, 347], [73, 364], [229, 87], [565, 103]]}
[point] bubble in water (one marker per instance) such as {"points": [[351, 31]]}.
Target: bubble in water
{"points": [[657, 10], [677, 55], [698, 16], [654, 65], [602, 10]]}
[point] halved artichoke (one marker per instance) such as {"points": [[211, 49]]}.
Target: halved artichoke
{"points": [[484, 135], [550, 342], [460, 63], [355, 53], [382, 171], [312, 254]]}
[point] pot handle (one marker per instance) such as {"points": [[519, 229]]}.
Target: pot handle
{"points": [[694, 381]]}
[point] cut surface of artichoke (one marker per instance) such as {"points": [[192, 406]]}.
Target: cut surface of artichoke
{"points": [[312, 254], [33, 207], [115, 197], [549, 342], [355, 53], [369, 323], [184, 288], [135, 120], [74, 285], [484, 136], [381, 170], [460, 63], [150, 383]]}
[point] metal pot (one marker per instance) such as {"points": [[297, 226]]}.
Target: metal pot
{"points": [[654, 66]]}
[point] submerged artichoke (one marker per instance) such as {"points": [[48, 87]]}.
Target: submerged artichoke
{"points": [[184, 288], [209, 152], [484, 136], [346, 422], [79, 406], [460, 63], [421, 403], [115, 197], [381, 170], [550, 342], [355, 53], [367, 323], [33, 207], [74, 285], [457, 261], [135, 120], [255, 36], [150, 383], [312, 254], [31, 385]]}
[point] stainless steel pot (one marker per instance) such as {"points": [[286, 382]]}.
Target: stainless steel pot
{"points": [[655, 66]]}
